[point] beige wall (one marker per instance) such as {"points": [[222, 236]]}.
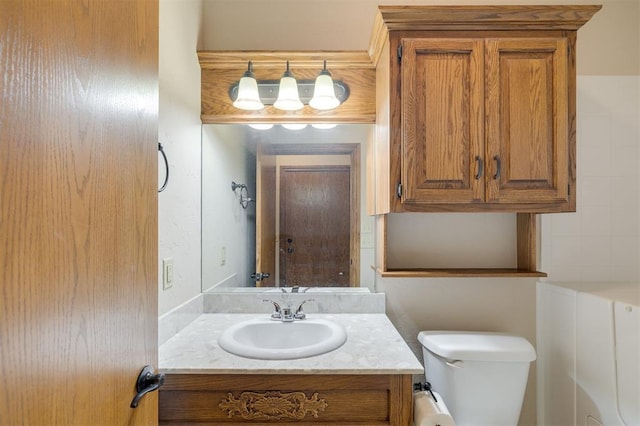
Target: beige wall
{"points": [[607, 45]]}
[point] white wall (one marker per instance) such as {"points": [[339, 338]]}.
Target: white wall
{"points": [[601, 240], [226, 226], [179, 133]]}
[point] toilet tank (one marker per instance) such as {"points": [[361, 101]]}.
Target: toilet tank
{"points": [[481, 376]]}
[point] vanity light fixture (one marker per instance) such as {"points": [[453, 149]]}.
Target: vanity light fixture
{"points": [[288, 97], [324, 95], [324, 126], [248, 96], [288, 94], [294, 126], [261, 126]]}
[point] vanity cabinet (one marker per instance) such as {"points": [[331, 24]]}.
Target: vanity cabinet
{"points": [[476, 108], [282, 399]]}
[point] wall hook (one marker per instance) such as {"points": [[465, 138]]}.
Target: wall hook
{"points": [[244, 194]]}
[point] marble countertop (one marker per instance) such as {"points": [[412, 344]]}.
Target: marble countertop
{"points": [[373, 346]]}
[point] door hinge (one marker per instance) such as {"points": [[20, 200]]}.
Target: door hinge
{"points": [[569, 189], [399, 53], [399, 190]]}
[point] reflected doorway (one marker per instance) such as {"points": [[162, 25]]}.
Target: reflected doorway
{"points": [[314, 226], [308, 215]]}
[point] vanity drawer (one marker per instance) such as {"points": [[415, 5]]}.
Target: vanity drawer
{"points": [[236, 399]]}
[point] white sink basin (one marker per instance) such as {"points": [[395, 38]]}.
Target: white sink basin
{"points": [[267, 339]]}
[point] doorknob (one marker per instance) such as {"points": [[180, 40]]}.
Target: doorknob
{"points": [[259, 276], [146, 382]]}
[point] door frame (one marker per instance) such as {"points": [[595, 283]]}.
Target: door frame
{"points": [[353, 151]]}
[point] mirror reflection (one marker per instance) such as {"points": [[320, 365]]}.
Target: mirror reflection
{"points": [[285, 208]]}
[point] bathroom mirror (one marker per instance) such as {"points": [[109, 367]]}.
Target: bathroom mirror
{"points": [[285, 208]]}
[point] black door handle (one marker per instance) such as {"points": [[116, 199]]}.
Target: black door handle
{"points": [[146, 382]]}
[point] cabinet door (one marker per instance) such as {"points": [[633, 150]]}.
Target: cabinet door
{"points": [[527, 120], [442, 120]]}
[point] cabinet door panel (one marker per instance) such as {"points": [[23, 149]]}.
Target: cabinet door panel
{"points": [[527, 116], [442, 108]]}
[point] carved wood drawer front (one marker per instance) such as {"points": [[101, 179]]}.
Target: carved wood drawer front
{"points": [[285, 399]]}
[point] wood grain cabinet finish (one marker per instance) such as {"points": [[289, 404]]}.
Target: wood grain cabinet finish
{"points": [[235, 399], [478, 112], [484, 121]]}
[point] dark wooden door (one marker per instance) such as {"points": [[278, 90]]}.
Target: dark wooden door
{"points": [[78, 210], [314, 226]]}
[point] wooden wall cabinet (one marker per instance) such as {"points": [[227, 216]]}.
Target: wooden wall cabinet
{"points": [[476, 107], [484, 121], [475, 112]]}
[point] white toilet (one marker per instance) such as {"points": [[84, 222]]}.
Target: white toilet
{"points": [[481, 376]]}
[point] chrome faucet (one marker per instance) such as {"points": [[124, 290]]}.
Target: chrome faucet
{"points": [[285, 313]]}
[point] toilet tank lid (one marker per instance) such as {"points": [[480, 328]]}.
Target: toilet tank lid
{"points": [[477, 346]]}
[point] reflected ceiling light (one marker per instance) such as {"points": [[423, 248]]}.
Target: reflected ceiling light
{"points": [[324, 95], [288, 97], [324, 126], [261, 126], [288, 94], [294, 126], [248, 95]]}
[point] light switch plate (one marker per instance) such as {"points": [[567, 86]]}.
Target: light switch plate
{"points": [[167, 273]]}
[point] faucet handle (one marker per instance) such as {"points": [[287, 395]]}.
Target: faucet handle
{"points": [[299, 314], [277, 312]]}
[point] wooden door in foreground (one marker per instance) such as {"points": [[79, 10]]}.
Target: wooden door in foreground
{"points": [[78, 210]]}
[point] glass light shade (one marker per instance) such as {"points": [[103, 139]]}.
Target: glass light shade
{"points": [[294, 126], [288, 97], [324, 126], [261, 126], [248, 96], [324, 94]]}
